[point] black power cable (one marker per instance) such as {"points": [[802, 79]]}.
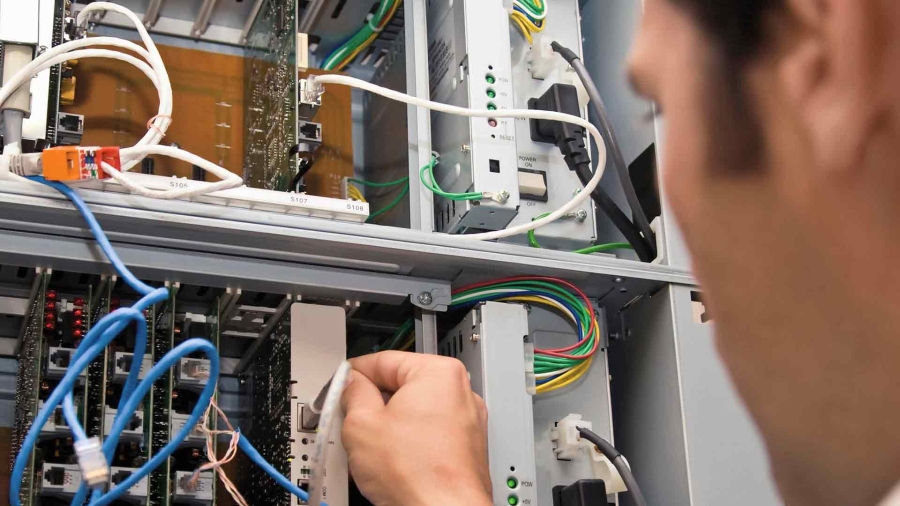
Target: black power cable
{"points": [[617, 460], [606, 128], [569, 138]]}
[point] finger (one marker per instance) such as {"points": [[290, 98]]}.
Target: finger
{"points": [[361, 395], [390, 370]]}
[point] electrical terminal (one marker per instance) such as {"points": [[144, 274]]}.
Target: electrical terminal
{"points": [[569, 445], [500, 197], [92, 461], [77, 163]]}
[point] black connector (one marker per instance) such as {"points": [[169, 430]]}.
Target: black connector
{"points": [[580, 493], [120, 476], [569, 138], [55, 476]]}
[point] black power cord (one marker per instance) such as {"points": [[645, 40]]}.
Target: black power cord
{"points": [[606, 128], [569, 138], [617, 460]]}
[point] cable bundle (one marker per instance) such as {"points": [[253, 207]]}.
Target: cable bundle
{"points": [[529, 16], [554, 368], [375, 23], [151, 64]]}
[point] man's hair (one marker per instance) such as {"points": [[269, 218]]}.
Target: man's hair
{"points": [[738, 26], [737, 30]]}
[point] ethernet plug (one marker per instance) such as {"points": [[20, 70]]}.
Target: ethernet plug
{"points": [[92, 461]]}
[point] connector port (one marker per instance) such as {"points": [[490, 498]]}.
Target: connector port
{"points": [[55, 476]]}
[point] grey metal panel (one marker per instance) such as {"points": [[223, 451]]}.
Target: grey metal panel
{"points": [[677, 254], [562, 183], [590, 398], [649, 420], [727, 458], [679, 420], [421, 201], [490, 341], [212, 229], [468, 40], [173, 265]]}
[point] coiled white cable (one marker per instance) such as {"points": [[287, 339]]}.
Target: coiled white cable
{"points": [[149, 143], [500, 113]]}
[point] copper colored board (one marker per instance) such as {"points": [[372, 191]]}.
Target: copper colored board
{"points": [[334, 160], [117, 100]]}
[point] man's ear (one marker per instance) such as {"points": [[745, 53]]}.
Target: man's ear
{"points": [[833, 72]]}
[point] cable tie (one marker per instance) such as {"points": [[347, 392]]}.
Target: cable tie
{"points": [[375, 29], [152, 126]]}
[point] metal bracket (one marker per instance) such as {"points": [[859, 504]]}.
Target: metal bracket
{"points": [[202, 22], [32, 295], [152, 14], [247, 273]]}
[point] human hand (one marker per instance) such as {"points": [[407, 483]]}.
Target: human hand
{"points": [[427, 444]]}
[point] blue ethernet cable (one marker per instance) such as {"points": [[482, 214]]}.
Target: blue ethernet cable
{"points": [[186, 348], [97, 339], [244, 444]]}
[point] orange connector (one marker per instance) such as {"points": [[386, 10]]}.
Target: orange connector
{"points": [[77, 163]]}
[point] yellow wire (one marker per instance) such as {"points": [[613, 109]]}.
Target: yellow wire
{"points": [[522, 27], [566, 379], [409, 344], [354, 193], [528, 23]]}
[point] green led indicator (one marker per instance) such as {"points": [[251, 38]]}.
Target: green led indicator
{"points": [[513, 500], [491, 93], [492, 107], [512, 482], [490, 79]]}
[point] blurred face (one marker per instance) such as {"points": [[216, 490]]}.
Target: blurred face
{"points": [[782, 176]]}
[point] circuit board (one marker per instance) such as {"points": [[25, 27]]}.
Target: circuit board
{"points": [[267, 384], [270, 96]]}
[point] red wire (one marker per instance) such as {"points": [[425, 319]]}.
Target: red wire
{"points": [[557, 352]]}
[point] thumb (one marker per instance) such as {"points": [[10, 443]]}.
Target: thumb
{"points": [[361, 395]]}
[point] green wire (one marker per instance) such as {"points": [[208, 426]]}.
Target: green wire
{"points": [[436, 189], [360, 37], [390, 206], [379, 185], [598, 248], [402, 332]]}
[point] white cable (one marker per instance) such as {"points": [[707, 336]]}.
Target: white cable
{"points": [[163, 119], [500, 113], [228, 179], [331, 408]]}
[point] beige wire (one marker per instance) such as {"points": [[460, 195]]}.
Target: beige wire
{"points": [[214, 462]]}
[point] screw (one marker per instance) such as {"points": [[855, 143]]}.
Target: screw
{"points": [[425, 298], [581, 215], [614, 336], [503, 196], [619, 280], [475, 338], [465, 148]]}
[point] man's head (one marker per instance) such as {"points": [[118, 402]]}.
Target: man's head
{"points": [[781, 163]]}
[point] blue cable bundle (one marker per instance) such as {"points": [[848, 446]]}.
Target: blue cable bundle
{"points": [[133, 393]]}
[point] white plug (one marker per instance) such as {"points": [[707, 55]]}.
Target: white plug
{"points": [[92, 461], [569, 445]]}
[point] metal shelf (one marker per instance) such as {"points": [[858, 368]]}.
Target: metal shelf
{"points": [[174, 241]]}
